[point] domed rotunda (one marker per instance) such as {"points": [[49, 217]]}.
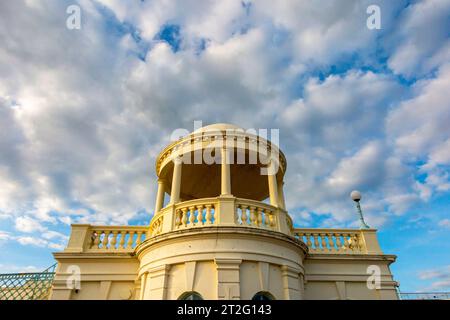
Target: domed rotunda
{"points": [[220, 230]]}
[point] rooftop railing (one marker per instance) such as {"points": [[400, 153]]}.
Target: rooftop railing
{"points": [[339, 241], [120, 239]]}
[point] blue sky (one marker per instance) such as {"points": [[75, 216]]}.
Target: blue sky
{"points": [[84, 113]]}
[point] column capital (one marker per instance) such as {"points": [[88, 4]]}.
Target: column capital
{"points": [[177, 160]]}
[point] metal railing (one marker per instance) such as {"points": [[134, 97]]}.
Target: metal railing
{"points": [[424, 295], [27, 286]]}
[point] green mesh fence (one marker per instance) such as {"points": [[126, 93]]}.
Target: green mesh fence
{"points": [[27, 286]]}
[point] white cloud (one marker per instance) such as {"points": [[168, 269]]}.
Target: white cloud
{"points": [[365, 168], [440, 278], [27, 224], [40, 242], [31, 241], [422, 42], [420, 124], [4, 235], [79, 146]]}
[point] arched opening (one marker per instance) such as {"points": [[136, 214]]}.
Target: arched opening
{"points": [[263, 295], [190, 295]]}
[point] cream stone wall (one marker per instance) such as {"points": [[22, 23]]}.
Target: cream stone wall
{"points": [[342, 277], [103, 277], [224, 263]]}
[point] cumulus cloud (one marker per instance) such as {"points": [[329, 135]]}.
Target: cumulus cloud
{"points": [[84, 113], [419, 129], [27, 224], [423, 38]]}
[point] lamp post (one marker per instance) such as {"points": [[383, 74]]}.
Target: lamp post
{"points": [[356, 196]]}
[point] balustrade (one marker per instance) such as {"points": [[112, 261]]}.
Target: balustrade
{"points": [[254, 214], [331, 240], [205, 212], [196, 213], [115, 238]]}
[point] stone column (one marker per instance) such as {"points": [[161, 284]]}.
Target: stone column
{"points": [[226, 175], [273, 188], [176, 181], [159, 196], [281, 200]]}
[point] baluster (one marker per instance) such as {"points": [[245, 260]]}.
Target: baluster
{"points": [[252, 216], [153, 228], [178, 215], [122, 239], [244, 216], [265, 218], [361, 246], [308, 240], [316, 242], [105, 240], [113, 242], [192, 216], [208, 216], [338, 242], [272, 219], [138, 239], [160, 225], [184, 217], [97, 236], [130, 239], [331, 246], [260, 216], [200, 218], [324, 243]]}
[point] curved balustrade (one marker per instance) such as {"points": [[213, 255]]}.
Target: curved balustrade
{"points": [[220, 211], [331, 240], [156, 226], [196, 213], [251, 213]]}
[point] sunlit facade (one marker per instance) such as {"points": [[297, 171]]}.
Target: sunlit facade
{"points": [[220, 230]]}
